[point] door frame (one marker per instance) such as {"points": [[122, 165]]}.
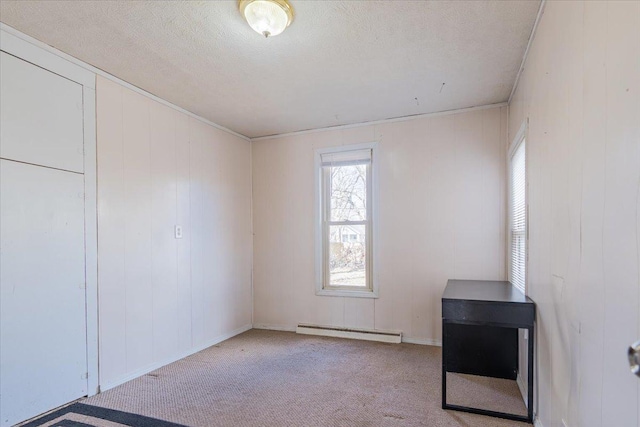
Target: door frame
{"points": [[30, 50]]}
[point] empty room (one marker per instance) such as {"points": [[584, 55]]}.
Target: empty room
{"points": [[368, 213]]}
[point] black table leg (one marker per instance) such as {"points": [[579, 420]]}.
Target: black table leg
{"points": [[444, 367], [530, 357]]}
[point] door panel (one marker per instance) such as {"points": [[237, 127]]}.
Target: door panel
{"points": [[42, 293], [41, 115]]}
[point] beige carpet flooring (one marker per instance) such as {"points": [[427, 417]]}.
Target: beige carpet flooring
{"points": [[267, 378]]}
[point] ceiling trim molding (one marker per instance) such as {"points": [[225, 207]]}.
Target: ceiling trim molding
{"points": [[526, 51], [113, 78], [383, 121]]}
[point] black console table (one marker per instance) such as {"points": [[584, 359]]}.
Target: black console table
{"points": [[480, 322]]}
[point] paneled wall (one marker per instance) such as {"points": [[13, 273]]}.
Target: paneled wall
{"points": [[441, 215], [162, 298], [581, 93]]}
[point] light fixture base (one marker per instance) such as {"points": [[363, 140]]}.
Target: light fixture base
{"points": [[264, 21]]}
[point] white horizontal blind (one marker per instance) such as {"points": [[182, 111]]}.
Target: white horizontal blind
{"points": [[346, 158], [518, 215]]}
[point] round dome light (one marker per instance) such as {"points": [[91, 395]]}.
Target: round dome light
{"points": [[267, 17]]}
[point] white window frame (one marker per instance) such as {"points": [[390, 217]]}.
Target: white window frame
{"points": [[521, 136], [321, 229]]}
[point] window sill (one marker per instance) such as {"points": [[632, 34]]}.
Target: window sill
{"points": [[346, 293]]}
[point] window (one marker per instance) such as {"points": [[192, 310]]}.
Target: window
{"points": [[518, 216], [345, 221]]}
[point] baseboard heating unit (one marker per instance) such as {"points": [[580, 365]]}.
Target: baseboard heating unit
{"points": [[357, 334]]}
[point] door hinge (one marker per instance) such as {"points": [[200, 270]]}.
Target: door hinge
{"points": [[85, 375]]}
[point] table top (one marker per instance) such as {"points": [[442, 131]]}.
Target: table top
{"points": [[484, 290]]}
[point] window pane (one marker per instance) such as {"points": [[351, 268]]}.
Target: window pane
{"points": [[347, 255], [518, 218], [348, 185]]}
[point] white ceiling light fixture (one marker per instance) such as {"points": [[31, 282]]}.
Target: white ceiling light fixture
{"points": [[267, 17]]}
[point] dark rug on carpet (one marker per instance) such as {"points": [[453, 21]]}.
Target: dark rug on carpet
{"points": [[119, 417]]}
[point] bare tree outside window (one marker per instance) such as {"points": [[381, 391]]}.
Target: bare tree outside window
{"points": [[347, 225]]}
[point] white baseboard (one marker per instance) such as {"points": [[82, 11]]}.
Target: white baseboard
{"points": [[537, 422], [152, 367], [405, 339], [274, 327], [391, 337], [422, 341]]}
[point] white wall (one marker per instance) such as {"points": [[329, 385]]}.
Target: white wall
{"points": [[161, 298], [441, 215], [581, 92]]}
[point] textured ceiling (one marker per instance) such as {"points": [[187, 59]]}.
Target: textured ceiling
{"points": [[340, 62]]}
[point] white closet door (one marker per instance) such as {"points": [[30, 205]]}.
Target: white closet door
{"points": [[41, 114], [42, 297], [43, 333]]}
